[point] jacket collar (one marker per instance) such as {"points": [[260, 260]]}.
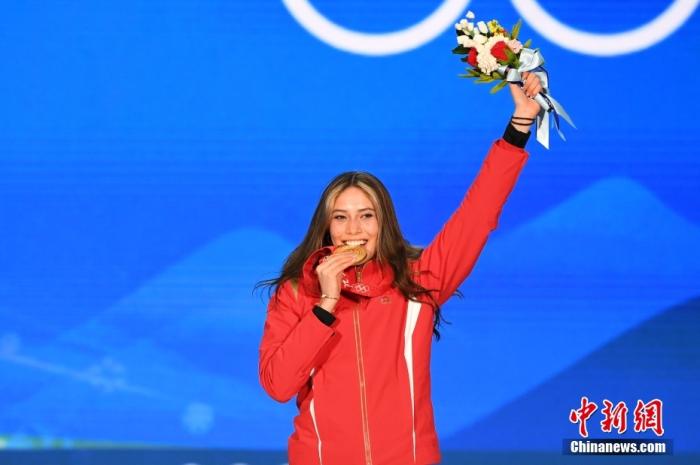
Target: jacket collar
{"points": [[375, 279]]}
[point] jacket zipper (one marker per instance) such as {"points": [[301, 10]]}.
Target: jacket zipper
{"points": [[358, 272], [361, 377]]}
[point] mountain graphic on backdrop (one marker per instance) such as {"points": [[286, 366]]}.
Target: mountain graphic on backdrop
{"points": [[660, 358], [542, 298], [550, 292]]}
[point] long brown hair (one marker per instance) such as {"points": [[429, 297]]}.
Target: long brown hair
{"points": [[392, 247]]}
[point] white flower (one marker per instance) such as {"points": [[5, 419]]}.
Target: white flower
{"points": [[463, 23], [465, 41], [498, 37], [470, 27], [514, 45], [470, 14], [482, 27], [458, 26], [479, 39], [486, 62]]}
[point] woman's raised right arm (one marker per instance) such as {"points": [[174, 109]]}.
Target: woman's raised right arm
{"points": [[290, 344]]}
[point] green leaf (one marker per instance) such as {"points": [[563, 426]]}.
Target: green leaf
{"points": [[527, 44], [516, 29], [497, 75], [485, 79], [511, 56], [471, 72], [460, 50], [498, 87]]}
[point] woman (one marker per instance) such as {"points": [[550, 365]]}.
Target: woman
{"points": [[350, 335]]}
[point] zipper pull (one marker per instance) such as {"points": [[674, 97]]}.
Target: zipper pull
{"points": [[358, 273]]}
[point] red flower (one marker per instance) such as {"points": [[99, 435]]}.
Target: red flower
{"points": [[471, 58], [499, 51]]}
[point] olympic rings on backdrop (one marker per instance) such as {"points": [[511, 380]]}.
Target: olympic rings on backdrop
{"points": [[412, 37]]}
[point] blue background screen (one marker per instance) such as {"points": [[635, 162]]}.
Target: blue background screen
{"points": [[158, 158]]}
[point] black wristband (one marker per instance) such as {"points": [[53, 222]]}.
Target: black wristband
{"points": [[515, 137], [326, 317]]}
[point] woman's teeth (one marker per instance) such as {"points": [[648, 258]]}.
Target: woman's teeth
{"points": [[355, 243]]}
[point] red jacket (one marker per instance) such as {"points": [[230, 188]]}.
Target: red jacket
{"points": [[363, 382]]}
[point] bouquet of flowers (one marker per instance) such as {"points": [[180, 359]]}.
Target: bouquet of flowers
{"points": [[497, 55]]}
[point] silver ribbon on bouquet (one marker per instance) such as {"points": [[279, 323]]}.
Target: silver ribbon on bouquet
{"points": [[532, 61]]}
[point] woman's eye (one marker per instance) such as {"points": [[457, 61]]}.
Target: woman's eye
{"points": [[341, 217]]}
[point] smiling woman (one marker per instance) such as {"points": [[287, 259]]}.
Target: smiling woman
{"points": [[349, 334]]}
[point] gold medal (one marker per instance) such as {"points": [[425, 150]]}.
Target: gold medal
{"points": [[359, 251]]}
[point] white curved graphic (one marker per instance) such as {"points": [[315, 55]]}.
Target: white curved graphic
{"points": [[599, 44], [376, 44], [588, 43]]}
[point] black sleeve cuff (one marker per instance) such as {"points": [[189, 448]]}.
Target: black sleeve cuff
{"points": [[515, 137], [326, 317]]}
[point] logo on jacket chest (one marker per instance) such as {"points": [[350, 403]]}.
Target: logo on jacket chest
{"points": [[385, 299]]}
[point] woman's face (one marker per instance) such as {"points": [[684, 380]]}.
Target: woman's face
{"points": [[354, 218]]}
